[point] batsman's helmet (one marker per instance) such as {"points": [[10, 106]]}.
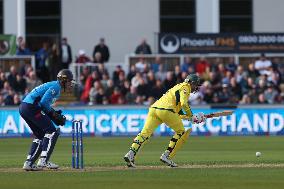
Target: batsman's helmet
{"points": [[65, 75], [193, 79]]}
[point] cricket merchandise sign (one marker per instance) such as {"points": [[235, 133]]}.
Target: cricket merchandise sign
{"points": [[186, 43], [129, 121]]}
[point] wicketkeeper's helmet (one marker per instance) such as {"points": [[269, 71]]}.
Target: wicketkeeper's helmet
{"points": [[65, 75]]}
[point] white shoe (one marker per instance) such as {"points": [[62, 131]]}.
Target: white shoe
{"points": [[42, 163], [28, 166], [166, 159], [51, 165], [129, 159]]}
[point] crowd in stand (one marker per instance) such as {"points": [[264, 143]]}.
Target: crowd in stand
{"points": [[16, 84], [50, 58], [259, 82]]}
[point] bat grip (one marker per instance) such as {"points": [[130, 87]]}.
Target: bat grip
{"points": [[209, 115]]}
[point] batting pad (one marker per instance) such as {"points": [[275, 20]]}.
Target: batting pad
{"points": [[180, 143]]}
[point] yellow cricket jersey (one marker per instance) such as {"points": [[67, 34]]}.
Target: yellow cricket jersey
{"points": [[175, 99]]}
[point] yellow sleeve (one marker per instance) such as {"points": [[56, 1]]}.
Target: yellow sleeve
{"points": [[184, 95], [184, 117]]}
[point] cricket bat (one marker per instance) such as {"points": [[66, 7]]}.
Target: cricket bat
{"points": [[219, 114], [214, 114]]}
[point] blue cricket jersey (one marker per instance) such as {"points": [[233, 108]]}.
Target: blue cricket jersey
{"points": [[44, 95]]}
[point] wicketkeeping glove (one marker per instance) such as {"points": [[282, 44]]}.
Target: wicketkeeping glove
{"points": [[56, 117]]}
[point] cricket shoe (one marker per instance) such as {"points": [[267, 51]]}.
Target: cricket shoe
{"points": [[51, 165], [166, 159], [129, 159], [42, 163], [29, 166]]}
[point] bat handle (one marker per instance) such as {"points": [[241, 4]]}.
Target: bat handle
{"points": [[209, 115]]}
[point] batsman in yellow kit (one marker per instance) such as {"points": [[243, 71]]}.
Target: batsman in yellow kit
{"points": [[169, 109]]}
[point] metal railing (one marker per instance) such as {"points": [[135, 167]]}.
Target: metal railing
{"points": [[179, 58], [7, 61]]}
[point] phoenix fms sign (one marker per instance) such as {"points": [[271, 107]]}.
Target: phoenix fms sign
{"points": [[172, 43]]}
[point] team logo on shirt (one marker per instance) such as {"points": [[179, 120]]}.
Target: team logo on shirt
{"points": [[184, 91], [52, 91]]}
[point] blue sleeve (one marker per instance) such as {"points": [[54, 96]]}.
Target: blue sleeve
{"points": [[49, 97]]}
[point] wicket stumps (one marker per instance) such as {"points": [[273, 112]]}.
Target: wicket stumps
{"points": [[77, 145]]}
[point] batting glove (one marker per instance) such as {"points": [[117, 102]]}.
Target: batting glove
{"points": [[198, 118]]}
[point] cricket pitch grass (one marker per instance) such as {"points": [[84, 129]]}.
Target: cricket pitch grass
{"points": [[204, 162]]}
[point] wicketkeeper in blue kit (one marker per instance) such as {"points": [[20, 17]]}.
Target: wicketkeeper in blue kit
{"points": [[36, 110]]}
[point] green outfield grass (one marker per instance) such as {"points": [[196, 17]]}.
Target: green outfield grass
{"points": [[205, 162]]}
